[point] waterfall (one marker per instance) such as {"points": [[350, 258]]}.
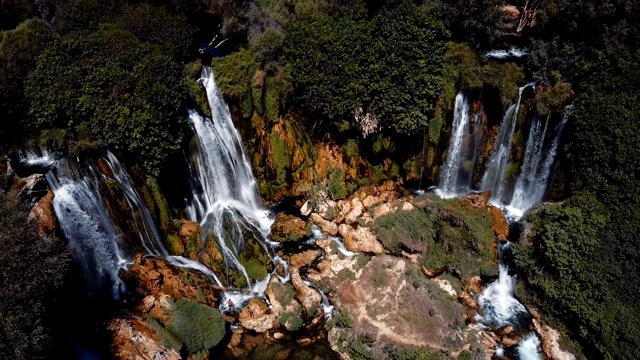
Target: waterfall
{"points": [[529, 348], [225, 199], [85, 220], [532, 183], [454, 164], [497, 300], [494, 176]]}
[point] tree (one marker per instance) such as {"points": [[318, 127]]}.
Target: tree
{"points": [[13, 12], [126, 92], [32, 268], [19, 50]]}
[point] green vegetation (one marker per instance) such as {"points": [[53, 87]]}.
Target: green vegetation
{"points": [[191, 326], [32, 270], [447, 234]]}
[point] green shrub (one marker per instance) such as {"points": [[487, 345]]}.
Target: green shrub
{"points": [[291, 320], [255, 269], [337, 186], [197, 326]]}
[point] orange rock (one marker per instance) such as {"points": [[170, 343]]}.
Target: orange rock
{"points": [[304, 258], [479, 200], [288, 228], [43, 213], [500, 226]]}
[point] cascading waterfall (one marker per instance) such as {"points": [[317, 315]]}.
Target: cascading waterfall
{"points": [[533, 180], [497, 301], [85, 220], [529, 348], [225, 200], [450, 181], [494, 176]]}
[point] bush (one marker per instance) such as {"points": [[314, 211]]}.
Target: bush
{"points": [[337, 186], [199, 327]]}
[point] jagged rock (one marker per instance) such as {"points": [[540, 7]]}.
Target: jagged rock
{"points": [[383, 209], [511, 12], [306, 209], [356, 211], [475, 285], [407, 206], [282, 300], [256, 316], [133, 339], [32, 188], [328, 209], [288, 228], [549, 338], [370, 200], [327, 227], [344, 207], [500, 226], [479, 200], [154, 276], [43, 213], [308, 296], [304, 258], [212, 256], [468, 301], [360, 240], [446, 286]]}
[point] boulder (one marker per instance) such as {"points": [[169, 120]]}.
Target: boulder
{"points": [[152, 275], [304, 258], [327, 227], [344, 207], [284, 306], [500, 226], [407, 206], [308, 296], [133, 339], [288, 228], [32, 188], [328, 209], [44, 215], [360, 240], [256, 316], [383, 209], [306, 209], [475, 285], [356, 211], [479, 200], [468, 301], [370, 200]]}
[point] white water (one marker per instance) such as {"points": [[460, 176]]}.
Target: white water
{"points": [[503, 54], [225, 200], [529, 348], [497, 301], [83, 216], [494, 176], [454, 164], [532, 183]]}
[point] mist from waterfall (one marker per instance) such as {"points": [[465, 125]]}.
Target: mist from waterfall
{"points": [[496, 169], [225, 199]]}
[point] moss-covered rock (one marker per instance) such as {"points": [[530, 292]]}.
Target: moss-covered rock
{"points": [[288, 228]]}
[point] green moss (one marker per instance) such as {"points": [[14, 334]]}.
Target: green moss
{"points": [[434, 129], [255, 269], [292, 320], [198, 326], [512, 171], [337, 186], [377, 174], [350, 150], [167, 339], [282, 159], [234, 73], [174, 244], [272, 100], [161, 205]]}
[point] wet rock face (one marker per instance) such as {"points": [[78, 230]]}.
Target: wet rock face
{"points": [[257, 316], [156, 276], [361, 239], [133, 339], [288, 228], [44, 215]]}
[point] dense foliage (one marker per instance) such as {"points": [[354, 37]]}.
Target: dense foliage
{"points": [[123, 91], [32, 268]]}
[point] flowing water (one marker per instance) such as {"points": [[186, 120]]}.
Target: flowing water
{"points": [[450, 180], [497, 301], [96, 245], [225, 199], [533, 181], [494, 176]]}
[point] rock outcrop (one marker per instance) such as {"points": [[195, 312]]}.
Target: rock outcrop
{"points": [[133, 339], [288, 228], [361, 239], [44, 215], [257, 316]]}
